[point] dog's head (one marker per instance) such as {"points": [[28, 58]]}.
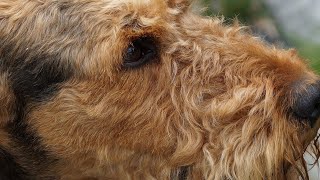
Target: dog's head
{"points": [[146, 88]]}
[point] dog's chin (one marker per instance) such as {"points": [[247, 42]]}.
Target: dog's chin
{"points": [[312, 134], [311, 147], [292, 173]]}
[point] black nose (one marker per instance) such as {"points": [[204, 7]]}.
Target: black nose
{"points": [[307, 103]]}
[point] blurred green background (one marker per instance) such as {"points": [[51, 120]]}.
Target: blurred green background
{"points": [[288, 23]]}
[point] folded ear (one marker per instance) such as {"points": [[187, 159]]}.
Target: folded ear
{"points": [[6, 100]]}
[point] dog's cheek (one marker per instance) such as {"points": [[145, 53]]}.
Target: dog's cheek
{"points": [[57, 121]]}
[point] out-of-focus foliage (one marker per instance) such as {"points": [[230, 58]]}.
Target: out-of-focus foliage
{"points": [[241, 8], [244, 10]]}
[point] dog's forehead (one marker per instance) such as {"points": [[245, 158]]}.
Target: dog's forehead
{"points": [[139, 17], [150, 3], [146, 12], [141, 12]]}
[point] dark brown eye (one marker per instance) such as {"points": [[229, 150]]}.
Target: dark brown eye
{"points": [[139, 52]]}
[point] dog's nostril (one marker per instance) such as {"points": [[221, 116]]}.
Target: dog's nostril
{"points": [[307, 104]]}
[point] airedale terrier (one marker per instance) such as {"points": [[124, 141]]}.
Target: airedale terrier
{"points": [[146, 89]]}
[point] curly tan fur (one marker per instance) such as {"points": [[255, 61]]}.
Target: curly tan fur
{"points": [[213, 104]]}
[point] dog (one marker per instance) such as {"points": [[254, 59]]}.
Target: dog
{"points": [[147, 89]]}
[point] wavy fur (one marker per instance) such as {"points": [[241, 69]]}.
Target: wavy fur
{"points": [[214, 104]]}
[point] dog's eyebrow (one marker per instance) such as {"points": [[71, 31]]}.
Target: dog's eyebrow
{"points": [[140, 21]]}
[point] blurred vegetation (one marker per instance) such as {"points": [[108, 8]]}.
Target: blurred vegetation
{"points": [[244, 10], [241, 7], [248, 11], [309, 50]]}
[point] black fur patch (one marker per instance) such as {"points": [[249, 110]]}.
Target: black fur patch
{"points": [[36, 73], [34, 78], [9, 169]]}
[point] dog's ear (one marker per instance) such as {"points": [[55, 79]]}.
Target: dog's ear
{"points": [[6, 100]]}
